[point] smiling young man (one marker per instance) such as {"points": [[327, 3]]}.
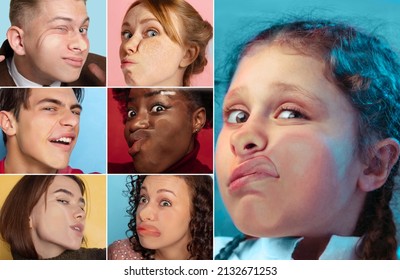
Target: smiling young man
{"points": [[40, 129], [47, 45]]}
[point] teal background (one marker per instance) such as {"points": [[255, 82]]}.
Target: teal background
{"points": [[97, 29], [117, 203], [89, 153], [237, 21]]}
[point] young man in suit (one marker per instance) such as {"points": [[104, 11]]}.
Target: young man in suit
{"points": [[47, 45]]}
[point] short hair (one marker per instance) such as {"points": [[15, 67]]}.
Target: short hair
{"points": [[12, 99], [15, 212], [196, 30], [20, 9]]}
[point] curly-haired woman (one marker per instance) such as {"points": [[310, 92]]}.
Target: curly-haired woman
{"points": [[171, 219]]}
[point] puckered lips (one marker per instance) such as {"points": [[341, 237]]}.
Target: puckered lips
{"points": [[251, 170], [78, 228], [147, 230], [126, 62], [63, 141], [136, 139]]}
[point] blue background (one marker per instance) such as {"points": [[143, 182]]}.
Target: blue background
{"points": [[89, 154], [97, 29], [249, 17], [117, 203]]}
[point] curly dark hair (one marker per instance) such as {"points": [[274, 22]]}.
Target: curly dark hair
{"points": [[201, 223]]}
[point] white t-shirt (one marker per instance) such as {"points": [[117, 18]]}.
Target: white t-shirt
{"points": [[338, 248]]}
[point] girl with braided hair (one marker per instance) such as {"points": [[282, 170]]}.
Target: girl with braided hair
{"points": [[308, 152]]}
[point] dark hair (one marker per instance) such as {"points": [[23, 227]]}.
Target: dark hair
{"points": [[196, 97], [201, 223], [15, 212], [13, 99], [22, 10], [196, 31], [367, 71]]}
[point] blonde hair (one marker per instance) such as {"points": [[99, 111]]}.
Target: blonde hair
{"points": [[196, 30]]}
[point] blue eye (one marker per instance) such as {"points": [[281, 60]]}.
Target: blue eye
{"points": [[151, 33], [237, 116], [126, 34]]}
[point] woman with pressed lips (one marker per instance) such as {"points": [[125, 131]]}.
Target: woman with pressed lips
{"points": [[309, 148], [38, 201], [161, 128], [171, 219], [163, 43]]}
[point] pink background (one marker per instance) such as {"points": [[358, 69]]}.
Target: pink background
{"points": [[115, 16], [118, 149]]}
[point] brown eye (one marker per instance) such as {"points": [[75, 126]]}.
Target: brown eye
{"points": [[131, 114], [157, 108], [143, 200], [165, 203], [290, 114]]}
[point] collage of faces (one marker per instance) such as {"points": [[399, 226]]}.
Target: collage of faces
{"points": [[169, 138]]}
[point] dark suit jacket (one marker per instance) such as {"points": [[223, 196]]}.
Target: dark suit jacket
{"points": [[85, 79]]}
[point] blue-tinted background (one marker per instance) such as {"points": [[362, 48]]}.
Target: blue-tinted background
{"points": [[117, 203], [236, 21], [89, 154], [97, 29]]}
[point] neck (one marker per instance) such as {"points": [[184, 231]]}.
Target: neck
{"points": [[18, 163], [165, 254], [46, 250]]}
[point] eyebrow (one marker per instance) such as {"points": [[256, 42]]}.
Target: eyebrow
{"points": [[293, 88], [59, 103], [143, 21], [161, 190], [150, 94], [285, 88], [67, 192], [67, 19]]}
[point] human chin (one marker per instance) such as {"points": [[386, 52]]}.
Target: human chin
{"points": [[132, 79], [68, 74]]}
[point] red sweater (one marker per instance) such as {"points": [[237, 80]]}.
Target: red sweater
{"points": [[188, 164], [67, 170]]}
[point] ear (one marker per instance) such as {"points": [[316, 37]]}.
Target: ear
{"points": [[383, 157], [198, 119], [15, 37], [190, 55], [30, 223], [8, 123]]}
